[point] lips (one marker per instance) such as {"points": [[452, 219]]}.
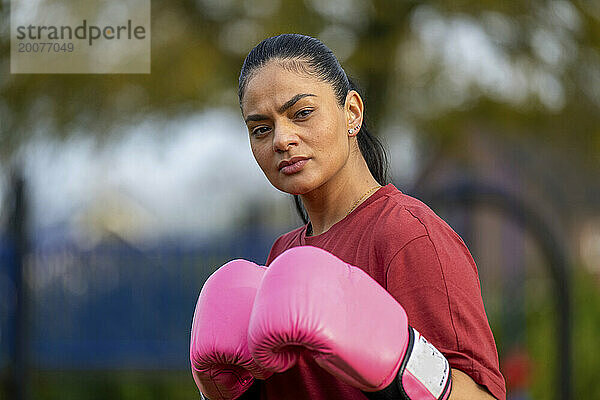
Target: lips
{"points": [[285, 163], [292, 165]]}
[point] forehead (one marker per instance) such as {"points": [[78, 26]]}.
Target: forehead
{"points": [[272, 85]]}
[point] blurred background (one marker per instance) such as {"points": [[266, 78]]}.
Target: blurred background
{"points": [[120, 194]]}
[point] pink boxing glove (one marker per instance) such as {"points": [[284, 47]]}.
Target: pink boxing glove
{"points": [[311, 301], [222, 366]]}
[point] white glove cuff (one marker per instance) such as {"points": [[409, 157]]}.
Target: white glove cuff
{"points": [[425, 373]]}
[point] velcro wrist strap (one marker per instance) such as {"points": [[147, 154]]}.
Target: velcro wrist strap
{"points": [[426, 373], [423, 375]]}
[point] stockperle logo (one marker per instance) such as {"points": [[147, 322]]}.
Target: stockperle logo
{"points": [[80, 36]]}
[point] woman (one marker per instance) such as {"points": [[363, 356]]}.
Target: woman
{"points": [[306, 126]]}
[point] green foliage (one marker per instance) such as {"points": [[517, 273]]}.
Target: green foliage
{"points": [[541, 336], [118, 385], [586, 346], [542, 340]]}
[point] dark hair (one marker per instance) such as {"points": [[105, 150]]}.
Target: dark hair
{"points": [[305, 54]]}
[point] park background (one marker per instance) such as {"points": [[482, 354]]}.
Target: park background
{"points": [[120, 194]]}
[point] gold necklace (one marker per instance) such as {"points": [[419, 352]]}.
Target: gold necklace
{"points": [[357, 202]]}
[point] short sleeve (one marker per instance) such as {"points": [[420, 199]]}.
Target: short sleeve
{"points": [[436, 282]]}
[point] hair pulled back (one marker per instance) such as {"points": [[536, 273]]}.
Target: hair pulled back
{"points": [[305, 54]]}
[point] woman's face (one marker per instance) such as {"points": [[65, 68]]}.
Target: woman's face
{"points": [[298, 133]]}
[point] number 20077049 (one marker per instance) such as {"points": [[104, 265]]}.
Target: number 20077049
{"points": [[28, 47]]}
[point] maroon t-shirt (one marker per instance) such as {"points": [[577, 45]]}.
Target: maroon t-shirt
{"points": [[422, 263]]}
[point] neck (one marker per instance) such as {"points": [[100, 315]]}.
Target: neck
{"points": [[330, 203]]}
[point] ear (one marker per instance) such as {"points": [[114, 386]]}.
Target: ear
{"points": [[354, 109]]}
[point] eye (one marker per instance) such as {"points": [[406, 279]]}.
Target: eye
{"points": [[260, 131], [304, 113]]}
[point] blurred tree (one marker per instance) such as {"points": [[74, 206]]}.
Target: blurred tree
{"points": [[545, 83]]}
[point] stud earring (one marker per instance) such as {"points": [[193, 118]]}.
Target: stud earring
{"points": [[352, 130]]}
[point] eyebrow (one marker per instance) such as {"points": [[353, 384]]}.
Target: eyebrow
{"points": [[285, 106]]}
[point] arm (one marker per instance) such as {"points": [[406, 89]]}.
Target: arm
{"points": [[436, 282], [465, 388], [439, 289]]}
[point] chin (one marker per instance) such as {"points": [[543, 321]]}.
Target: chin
{"points": [[294, 186], [292, 190]]}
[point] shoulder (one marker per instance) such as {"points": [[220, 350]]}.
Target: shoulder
{"points": [[406, 223], [404, 218], [284, 242]]}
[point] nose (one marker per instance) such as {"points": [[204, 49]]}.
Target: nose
{"points": [[283, 138]]}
